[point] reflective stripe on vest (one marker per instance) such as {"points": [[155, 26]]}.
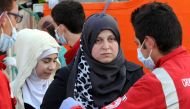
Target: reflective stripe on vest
{"points": [[168, 88]]}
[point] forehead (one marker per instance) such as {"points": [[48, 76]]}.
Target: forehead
{"points": [[51, 56], [105, 33]]}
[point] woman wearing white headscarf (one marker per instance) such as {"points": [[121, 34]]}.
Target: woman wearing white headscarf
{"points": [[36, 56]]}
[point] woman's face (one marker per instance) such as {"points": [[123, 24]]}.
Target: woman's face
{"points": [[46, 66], [105, 48]]}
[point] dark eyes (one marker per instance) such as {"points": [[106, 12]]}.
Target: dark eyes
{"points": [[110, 39], [48, 60], [98, 40]]}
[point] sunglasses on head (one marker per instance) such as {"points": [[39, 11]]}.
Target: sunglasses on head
{"points": [[18, 17]]}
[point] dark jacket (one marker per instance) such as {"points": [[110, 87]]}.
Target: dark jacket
{"points": [[56, 92]]}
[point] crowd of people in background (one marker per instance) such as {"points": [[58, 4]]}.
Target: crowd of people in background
{"points": [[76, 62]]}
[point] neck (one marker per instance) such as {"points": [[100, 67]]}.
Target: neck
{"points": [[157, 56], [73, 38]]}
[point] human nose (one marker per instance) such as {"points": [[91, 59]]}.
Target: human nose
{"points": [[52, 66], [105, 45]]}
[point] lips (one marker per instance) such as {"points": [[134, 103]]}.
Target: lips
{"points": [[106, 54], [48, 73]]}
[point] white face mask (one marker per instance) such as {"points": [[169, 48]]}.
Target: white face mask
{"points": [[7, 41], [61, 39], [14, 32], [148, 62]]}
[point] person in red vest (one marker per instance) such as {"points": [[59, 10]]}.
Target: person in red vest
{"points": [[159, 39], [8, 19], [70, 17]]}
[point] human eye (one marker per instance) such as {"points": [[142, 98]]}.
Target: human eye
{"points": [[55, 60], [112, 38], [46, 60], [98, 40]]}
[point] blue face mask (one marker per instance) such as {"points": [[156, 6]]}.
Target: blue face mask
{"points": [[148, 62], [7, 41], [61, 39]]}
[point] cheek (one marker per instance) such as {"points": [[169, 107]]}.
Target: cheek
{"points": [[115, 48], [95, 52], [40, 68], [13, 21], [145, 53]]}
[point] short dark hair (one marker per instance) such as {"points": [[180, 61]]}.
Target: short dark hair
{"points": [[158, 20], [49, 27], [71, 14], [6, 5]]}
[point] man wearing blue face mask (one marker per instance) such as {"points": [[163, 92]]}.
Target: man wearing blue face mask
{"points": [[7, 29], [159, 39], [8, 17]]}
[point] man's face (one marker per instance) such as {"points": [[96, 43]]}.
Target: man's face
{"points": [[7, 27]]}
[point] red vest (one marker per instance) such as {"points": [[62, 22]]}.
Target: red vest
{"points": [[167, 87], [6, 102], [69, 55]]}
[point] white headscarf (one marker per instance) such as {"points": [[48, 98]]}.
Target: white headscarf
{"points": [[29, 46], [34, 88]]}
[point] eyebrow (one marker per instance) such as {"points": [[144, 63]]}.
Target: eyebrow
{"points": [[49, 58], [111, 35]]}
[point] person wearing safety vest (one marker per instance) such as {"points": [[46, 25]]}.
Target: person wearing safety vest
{"points": [[159, 39]]}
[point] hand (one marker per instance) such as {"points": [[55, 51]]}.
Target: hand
{"points": [[71, 103], [9, 61]]}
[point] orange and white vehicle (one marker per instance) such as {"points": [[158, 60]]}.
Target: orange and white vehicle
{"points": [[122, 12]]}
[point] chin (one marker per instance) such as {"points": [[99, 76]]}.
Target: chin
{"points": [[106, 61], [45, 77]]}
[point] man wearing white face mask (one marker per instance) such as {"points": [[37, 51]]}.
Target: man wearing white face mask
{"points": [[69, 16], [148, 62], [159, 39]]}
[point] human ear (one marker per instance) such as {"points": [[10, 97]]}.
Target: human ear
{"points": [[150, 42]]}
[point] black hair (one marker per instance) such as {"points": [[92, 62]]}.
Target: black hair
{"points": [[6, 5], [71, 14], [158, 20], [49, 27]]}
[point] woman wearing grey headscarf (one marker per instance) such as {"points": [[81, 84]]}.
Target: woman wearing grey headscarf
{"points": [[99, 74]]}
